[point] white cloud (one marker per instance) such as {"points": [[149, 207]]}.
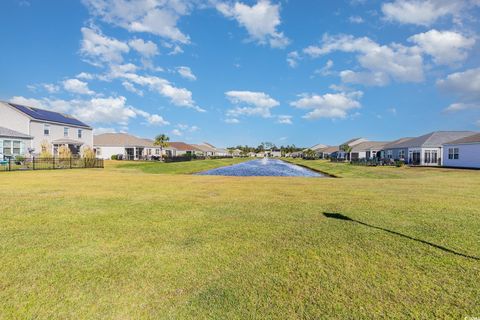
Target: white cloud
{"points": [[110, 110], [356, 19], [85, 76], [232, 120], [261, 21], [446, 47], [250, 104], [330, 105], [284, 119], [186, 73], [424, 12], [77, 86], [292, 59], [382, 62], [99, 49], [130, 87], [101, 130], [325, 70], [178, 96], [177, 132], [158, 17], [146, 49], [466, 86]]}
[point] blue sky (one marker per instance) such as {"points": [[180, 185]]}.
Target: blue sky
{"points": [[243, 72]]}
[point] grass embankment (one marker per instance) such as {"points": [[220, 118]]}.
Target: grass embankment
{"points": [[118, 243], [187, 167]]}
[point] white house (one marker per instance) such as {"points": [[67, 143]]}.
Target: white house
{"points": [[367, 150], [13, 143], [462, 153], [46, 128], [126, 146]]}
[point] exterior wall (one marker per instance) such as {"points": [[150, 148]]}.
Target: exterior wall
{"points": [[14, 120], [396, 153], [423, 160], [468, 156], [24, 145], [107, 152], [56, 132]]}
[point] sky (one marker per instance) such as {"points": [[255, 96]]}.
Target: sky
{"points": [[297, 72]]}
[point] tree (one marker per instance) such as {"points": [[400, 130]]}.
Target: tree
{"points": [[347, 149], [161, 141]]}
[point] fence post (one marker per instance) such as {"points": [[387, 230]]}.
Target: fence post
{"points": [[70, 162], [9, 164], [53, 161], [33, 162]]}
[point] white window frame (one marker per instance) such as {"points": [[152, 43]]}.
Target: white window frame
{"points": [[79, 133], [453, 153], [46, 130], [66, 131]]}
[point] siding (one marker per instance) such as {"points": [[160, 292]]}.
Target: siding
{"points": [[469, 156]]}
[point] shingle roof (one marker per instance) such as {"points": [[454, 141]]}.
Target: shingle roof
{"points": [[317, 147], [397, 143], [475, 138], [434, 139], [120, 140], [45, 115], [368, 145], [329, 149], [204, 147], [182, 146], [9, 133], [354, 142]]}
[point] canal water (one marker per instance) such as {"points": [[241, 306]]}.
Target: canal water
{"points": [[264, 168]]}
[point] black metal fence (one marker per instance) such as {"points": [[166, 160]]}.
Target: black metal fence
{"points": [[49, 164]]}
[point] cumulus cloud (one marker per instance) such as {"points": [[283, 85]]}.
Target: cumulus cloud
{"points": [[382, 62], [284, 119], [250, 103], [232, 120], [465, 86], [292, 59], [186, 72], [151, 16], [356, 19], [98, 48], [146, 49], [425, 12], [101, 130], [109, 110], [446, 47], [330, 105], [177, 132], [130, 87], [77, 86], [260, 20]]}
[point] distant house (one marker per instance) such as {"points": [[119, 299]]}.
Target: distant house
{"points": [[205, 149], [462, 153], [341, 154], [427, 150], [126, 146], [367, 150], [327, 152], [177, 149], [396, 150], [47, 129], [237, 152], [13, 143]]}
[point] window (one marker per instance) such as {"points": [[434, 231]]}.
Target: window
{"points": [[98, 151], [157, 151], [46, 130], [389, 154], [453, 153], [7, 147], [65, 132], [401, 154], [427, 157], [79, 134], [16, 147]]}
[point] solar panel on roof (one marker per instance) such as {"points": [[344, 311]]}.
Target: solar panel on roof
{"points": [[40, 114]]}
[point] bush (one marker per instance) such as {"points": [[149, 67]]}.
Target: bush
{"points": [[399, 163], [114, 157]]}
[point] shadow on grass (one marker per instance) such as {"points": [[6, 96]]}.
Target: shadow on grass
{"points": [[339, 216]]}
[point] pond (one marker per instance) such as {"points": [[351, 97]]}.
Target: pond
{"points": [[264, 167]]}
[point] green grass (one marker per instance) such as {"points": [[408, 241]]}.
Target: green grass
{"points": [[120, 243], [175, 167]]}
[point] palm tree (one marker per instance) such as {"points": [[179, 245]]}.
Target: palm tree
{"points": [[161, 141], [347, 149]]}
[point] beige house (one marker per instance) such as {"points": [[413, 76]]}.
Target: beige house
{"points": [[125, 146]]}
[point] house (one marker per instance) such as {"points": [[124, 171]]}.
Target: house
{"points": [[222, 152], [47, 129], [13, 143], [125, 146], [326, 152], [177, 149], [463, 152], [427, 150], [205, 149], [237, 152], [396, 150], [341, 154], [366, 150]]}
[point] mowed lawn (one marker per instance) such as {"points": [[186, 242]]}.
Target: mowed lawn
{"points": [[125, 243]]}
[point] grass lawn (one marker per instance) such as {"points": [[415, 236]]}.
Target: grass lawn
{"points": [[121, 243]]}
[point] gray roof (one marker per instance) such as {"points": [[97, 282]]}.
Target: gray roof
{"points": [[354, 142], [397, 143], [120, 140], [434, 139], [369, 145], [469, 139], [9, 133], [317, 147], [329, 150]]}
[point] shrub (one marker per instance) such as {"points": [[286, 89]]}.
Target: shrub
{"points": [[46, 150], [399, 163], [114, 157]]}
